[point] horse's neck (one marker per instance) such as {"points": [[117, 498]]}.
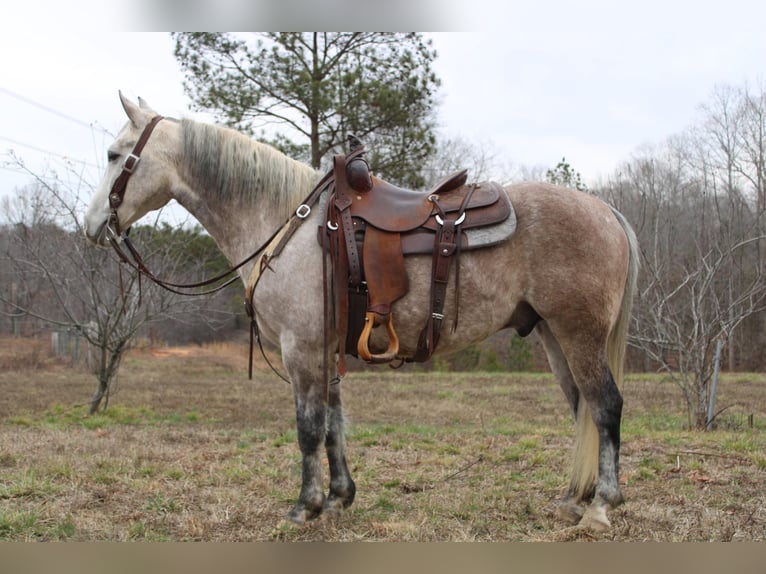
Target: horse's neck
{"points": [[238, 230], [239, 226]]}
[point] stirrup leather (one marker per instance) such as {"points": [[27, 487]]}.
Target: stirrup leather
{"points": [[363, 346]]}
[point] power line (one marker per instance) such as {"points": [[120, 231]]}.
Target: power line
{"points": [[53, 111], [48, 152]]}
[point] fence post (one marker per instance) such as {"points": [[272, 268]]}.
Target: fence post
{"points": [[714, 386], [55, 342]]}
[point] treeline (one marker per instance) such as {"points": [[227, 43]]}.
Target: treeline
{"points": [[51, 278], [696, 201], [697, 204]]}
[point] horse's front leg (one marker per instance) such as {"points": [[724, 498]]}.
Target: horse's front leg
{"points": [[342, 488], [311, 421]]}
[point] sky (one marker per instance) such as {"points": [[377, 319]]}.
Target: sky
{"points": [[593, 81]]}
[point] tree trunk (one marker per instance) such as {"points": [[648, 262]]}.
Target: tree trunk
{"points": [[101, 392]]}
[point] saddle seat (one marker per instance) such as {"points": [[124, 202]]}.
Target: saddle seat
{"points": [[397, 209]]}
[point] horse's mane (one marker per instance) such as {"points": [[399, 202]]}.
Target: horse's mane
{"points": [[225, 162]]}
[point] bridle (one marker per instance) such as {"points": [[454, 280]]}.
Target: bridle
{"points": [[275, 242], [135, 261], [117, 193]]}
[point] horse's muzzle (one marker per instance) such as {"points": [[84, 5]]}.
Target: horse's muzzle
{"points": [[101, 236]]}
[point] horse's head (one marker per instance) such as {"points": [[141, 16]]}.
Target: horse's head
{"points": [[138, 176]]}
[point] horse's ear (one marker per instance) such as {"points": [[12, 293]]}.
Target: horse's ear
{"points": [[144, 105], [135, 114]]}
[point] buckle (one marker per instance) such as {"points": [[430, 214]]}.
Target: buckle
{"points": [[132, 167], [303, 211]]}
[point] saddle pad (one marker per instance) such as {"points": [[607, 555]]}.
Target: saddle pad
{"points": [[422, 241]]}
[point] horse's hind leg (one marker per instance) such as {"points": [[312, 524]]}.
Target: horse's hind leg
{"points": [[559, 365], [602, 407], [599, 411], [342, 488], [570, 508]]}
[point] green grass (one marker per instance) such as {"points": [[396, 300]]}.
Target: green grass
{"points": [[60, 416], [208, 455], [161, 504], [27, 484], [33, 525]]}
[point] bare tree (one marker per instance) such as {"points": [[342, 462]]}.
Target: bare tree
{"points": [[52, 274], [682, 314], [695, 204]]}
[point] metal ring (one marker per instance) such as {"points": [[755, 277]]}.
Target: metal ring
{"points": [[330, 226], [111, 234], [459, 220], [303, 211]]}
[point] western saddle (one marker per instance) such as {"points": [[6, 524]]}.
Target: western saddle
{"points": [[370, 226]]}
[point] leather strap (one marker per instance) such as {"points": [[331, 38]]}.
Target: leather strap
{"points": [[343, 202], [117, 193], [446, 245]]}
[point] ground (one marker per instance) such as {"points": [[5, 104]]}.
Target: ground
{"points": [[189, 449]]}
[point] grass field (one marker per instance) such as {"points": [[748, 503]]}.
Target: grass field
{"points": [[189, 449]]}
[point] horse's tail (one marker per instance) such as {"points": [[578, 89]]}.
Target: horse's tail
{"points": [[618, 336], [585, 471]]}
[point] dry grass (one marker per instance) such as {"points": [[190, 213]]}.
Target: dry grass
{"points": [[189, 449]]}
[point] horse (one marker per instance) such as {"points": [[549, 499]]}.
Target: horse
{"points": [[568, 273]]}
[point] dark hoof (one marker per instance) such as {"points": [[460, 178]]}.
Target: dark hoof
{"points": [[300, 515], [570, 511]]}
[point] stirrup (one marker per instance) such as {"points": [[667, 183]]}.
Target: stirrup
{"points": [[363, 346]]}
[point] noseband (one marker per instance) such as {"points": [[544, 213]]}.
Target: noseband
{"points": [[117, 194]]}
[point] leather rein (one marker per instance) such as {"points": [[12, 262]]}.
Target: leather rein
{"points": [[133, 258], [269, 249]]}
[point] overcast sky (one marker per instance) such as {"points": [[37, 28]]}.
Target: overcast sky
{"points": [[589, 80]]}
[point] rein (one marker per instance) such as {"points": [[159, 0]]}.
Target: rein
{"points": [[133, 258], [116, 197]]}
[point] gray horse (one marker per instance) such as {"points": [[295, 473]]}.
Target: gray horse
{"points": [[568, 273]]}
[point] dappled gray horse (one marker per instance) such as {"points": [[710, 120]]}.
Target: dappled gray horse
{"points": [[568, 273]]}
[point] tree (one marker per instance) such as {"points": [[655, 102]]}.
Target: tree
{"points": [[454, 153], [695, 204], [51, 273], [320, 87], [564, 174]]}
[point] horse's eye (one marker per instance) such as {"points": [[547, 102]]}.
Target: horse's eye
{"points": [[112, 155]]}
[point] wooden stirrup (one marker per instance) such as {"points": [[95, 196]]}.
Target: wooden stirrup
{"points": [[363, 346]]}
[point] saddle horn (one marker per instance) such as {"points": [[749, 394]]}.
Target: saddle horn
{"points": [[358, 170]]}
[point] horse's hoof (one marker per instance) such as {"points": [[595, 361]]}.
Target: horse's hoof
{"points": [[333, 509], [595, 519], [569, 511], [300, 515]]}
